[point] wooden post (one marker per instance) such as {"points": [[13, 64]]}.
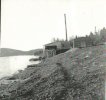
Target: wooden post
{"points": [[73, 44], [65, 26]]}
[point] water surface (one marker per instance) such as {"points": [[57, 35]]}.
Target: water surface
{"points": [[11, 64]]}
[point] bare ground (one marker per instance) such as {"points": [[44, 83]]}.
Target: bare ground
{"points": [[78, 74]]}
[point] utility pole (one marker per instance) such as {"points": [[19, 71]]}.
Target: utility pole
{"points": [[0, 27], [65, 26], [95, 30]]}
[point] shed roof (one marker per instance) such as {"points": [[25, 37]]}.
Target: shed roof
{"points": [[57, 42]]}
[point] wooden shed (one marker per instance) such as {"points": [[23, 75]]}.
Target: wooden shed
{"points": [[82, 42], [55, 48]]}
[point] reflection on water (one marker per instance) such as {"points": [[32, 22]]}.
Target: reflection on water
{"points": [[9, 65]]}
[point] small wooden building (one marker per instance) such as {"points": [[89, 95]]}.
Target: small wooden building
{"points": [[55, 48], [82, 42]]}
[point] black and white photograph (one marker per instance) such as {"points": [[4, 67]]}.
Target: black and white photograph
{"points": [[52, 49]]}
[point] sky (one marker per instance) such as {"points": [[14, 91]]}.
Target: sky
{"points": [[30, 24]]}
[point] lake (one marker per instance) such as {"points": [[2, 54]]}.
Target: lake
{"points": [[11, 64]]}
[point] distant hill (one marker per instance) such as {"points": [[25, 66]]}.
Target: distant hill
{"points": [[13, 52], [35, 52]]}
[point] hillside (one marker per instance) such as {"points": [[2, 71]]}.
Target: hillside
{"points": [[13, 52], [78, 74], [35, 52]]}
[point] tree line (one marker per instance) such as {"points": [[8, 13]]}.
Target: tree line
{"points": [[97, 37]]}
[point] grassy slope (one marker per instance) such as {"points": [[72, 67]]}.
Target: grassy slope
{"points": [[78, 74]]}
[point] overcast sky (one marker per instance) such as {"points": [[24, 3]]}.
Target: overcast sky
{"points": [[29, 24]]}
